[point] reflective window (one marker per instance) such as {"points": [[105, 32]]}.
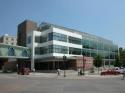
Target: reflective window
{"points": [[37, 50], [28, 39], [86, 52], [93, 53], [41, 39], [112, 55], [24, 53], [75, 51], [85, 43], [11, 52], [51, 49], [74, 40], [57, 36], [100, 46], [60, 49]]}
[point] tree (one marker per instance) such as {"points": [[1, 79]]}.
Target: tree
{"points": [[122, 56], [98, 61], [117, 62]]}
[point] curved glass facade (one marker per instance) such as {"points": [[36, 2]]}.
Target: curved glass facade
{"points": [[51, 49], [74, 43], [91, 46]]}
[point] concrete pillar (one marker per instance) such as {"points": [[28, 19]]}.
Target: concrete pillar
{"points": [[4, 68], [53, 65], [48, 65], [33, 52], [58, 64], [109, 63], [103, 63], [32, 65]]}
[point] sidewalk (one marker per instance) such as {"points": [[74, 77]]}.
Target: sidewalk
{"points": [[88, 76], [71, 76]]}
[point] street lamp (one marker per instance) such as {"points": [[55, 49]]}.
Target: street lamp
{"points": [[64, 60]]}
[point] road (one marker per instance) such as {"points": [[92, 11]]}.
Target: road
{"points": [[23, 84]]}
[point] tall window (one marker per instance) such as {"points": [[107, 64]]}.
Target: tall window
{"points": [[11, 52], [28, 39], [85, 43], [0, 53], [37, 50], [24, 53]]}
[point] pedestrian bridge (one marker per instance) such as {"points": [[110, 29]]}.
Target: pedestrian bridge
{"points": [[14, 51]]}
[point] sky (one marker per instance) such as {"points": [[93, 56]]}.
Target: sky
{"points": [[105, 18]]}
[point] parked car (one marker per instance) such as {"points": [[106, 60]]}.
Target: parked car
{"points": [[110, 72], [119, 69]]}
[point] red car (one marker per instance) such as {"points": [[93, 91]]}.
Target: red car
{"points": [[110, 72]]}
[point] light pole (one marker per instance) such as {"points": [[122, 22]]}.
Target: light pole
{"points": [[83, 65], [64, 60]]}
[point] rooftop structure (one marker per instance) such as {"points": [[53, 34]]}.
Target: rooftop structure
{"points": [[7, 39]]}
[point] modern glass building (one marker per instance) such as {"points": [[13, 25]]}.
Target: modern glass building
{"points": [[49, 43]]}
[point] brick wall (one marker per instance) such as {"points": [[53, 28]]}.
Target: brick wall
{"points": [[88, 63]]}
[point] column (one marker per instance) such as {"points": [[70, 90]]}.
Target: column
{"points": [[53, 65], [33, 52]]}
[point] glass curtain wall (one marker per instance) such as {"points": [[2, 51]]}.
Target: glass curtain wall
{"points": [[57, 36], [51, 49], [92, 47]]}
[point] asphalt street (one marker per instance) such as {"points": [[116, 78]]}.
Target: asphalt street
{"points": [[22, 84]]}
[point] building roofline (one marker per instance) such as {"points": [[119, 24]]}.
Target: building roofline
{"points": [[13, 45], [76, 31], [8, 36], [27, 20]]}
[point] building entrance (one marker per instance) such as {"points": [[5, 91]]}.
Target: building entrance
{"points": [[54, 65]]}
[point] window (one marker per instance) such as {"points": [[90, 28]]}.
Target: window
{"points": [[24, 53], [7, 43], [44, 26], [51, 49], [12, 39], [100, 46], [87, 52], [75, 51], [40, 39], [57, 36], [106, 47], [60, 49], [93, 44], [85, 43], [106, 55], [11, 52], [74, 40], [112, 55], [6, 38], [37, 50], [37, 39], [28, 39], [93, 53]]}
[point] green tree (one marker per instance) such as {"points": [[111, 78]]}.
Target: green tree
{"points": [[98, 61], [122, 56], [117, 62]]}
